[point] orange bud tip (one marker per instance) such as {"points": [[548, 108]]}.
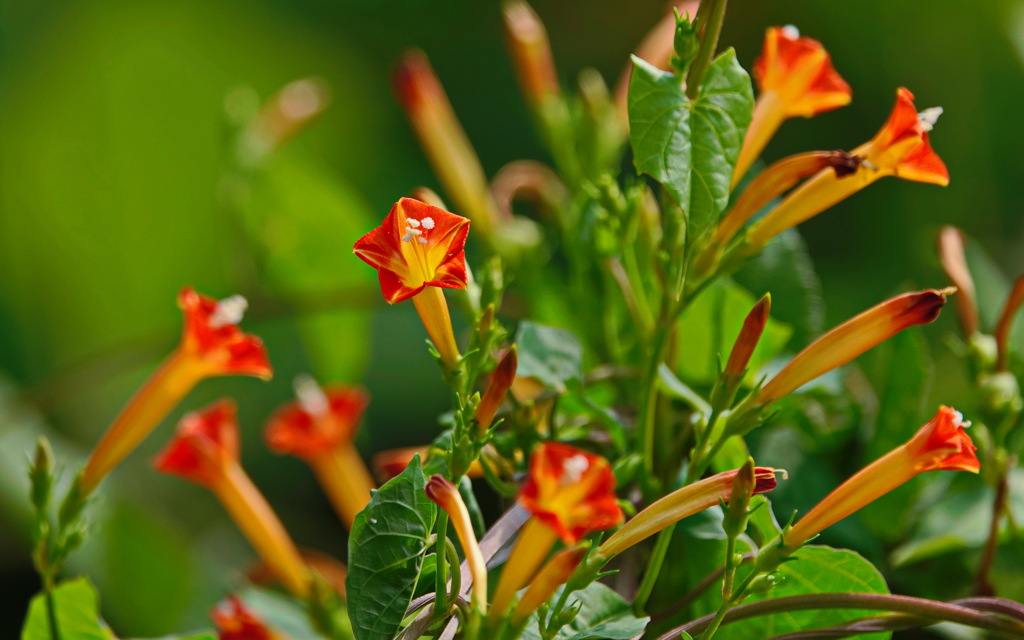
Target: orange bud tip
{"points": [[498, 385], [750, 334]]}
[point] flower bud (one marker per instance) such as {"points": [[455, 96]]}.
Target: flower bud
{"points": [[954, 263], [743, 485], [41, 474], [447, 496], [499, 384], [527, 41]]}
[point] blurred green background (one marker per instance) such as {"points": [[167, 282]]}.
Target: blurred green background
{"points": [[115, 164]]}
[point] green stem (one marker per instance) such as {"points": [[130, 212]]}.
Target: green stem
{"points": [[441, 572], [657, 560], [698, 458], [51, 608], [728, 598], [708, 44], [649, 396], [982, 585], [930, 609]]}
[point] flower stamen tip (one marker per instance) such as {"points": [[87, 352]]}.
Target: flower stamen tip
{"points": [[929, 117], [311, 397], [230, 310]]}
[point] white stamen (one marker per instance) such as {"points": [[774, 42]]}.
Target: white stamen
{"points": [[228, 311], [428, 223], [791, 32], [311, 397], [929, 117], [574, 468], [407, 238], [422, 240], [413, 232], [413, 222]]}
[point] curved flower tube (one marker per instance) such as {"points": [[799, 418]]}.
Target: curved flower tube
{"points": [[445, 495], [954, 263], [319, 427], [211, 345], [417, 251], [901, 148], [941, 444], [569, 493], [796, 78], [204, 450]]}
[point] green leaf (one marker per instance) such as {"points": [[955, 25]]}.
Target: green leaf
{"points": [[553, 356], [708, 329], [385, 550], [814, 569], [690, 147], [603, 614], [77, 614]]}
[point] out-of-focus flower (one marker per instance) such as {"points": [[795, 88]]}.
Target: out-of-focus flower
{"points": [[941, 444], [390, 463], [211, 345], [679, 504], [527, 41], [750, 335], [954, 263], [319, 427], [852, 338], [417, 251], [281, 117], [1005, 323], [235, 621], [444, 141], [569, 493], [204, 450], [551, 576], [901, 148], [444, 493], [498, 385], [796, 78]]}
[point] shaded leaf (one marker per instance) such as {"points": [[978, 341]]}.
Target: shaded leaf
{"points": [[553, 356], [603, 614], [77, 614], [386, 548]]}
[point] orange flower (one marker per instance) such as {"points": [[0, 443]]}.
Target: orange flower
{"points": [[527, 40], [444, 141], [388, 464], [551, 576], [211, 345], [417, 250], [569, 493], [852, 338], [204, 450], [500, 382], [941, 444], [234, 621], [679, 504], [796, 78], [319, 428], [901, 148], [446, 496]]}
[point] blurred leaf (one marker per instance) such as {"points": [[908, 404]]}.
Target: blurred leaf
{"points": [[280, 612], [690, 147], [708, 329], [815, 569], [784, 268], [902, 376], [553, 356], [603, 614], [77, 614], [763, 524], [206, 635], [385, 553]]}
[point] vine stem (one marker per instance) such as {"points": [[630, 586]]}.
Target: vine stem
{"points": [[930, 609], [982, 585], [51, 610], [708, 44]]}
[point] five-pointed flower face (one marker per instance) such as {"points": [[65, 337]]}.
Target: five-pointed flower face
{"points": [[213, 338], [571, 491], [799, 73], [318, 421], [901, 148], [204, 446], [416, 246]]}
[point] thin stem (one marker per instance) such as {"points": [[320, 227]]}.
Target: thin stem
{"points": [[51, 608], [728, 599], [982, 585], [653, 569], [441, 574], [649, 395], [697, 591], [931, 609], [708, 44]]}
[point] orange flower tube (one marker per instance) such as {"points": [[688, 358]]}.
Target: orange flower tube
{"points": [[750, 335], [446, 496], [444, 141], [417, 251], [204, 450], [901, 148], [569, 493], [527, 41], [941, 444], [498, 385], [319, 427], [211, 345], [852, 338], [551, 576], [682, 503], [796, 78], [954, 263]]}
